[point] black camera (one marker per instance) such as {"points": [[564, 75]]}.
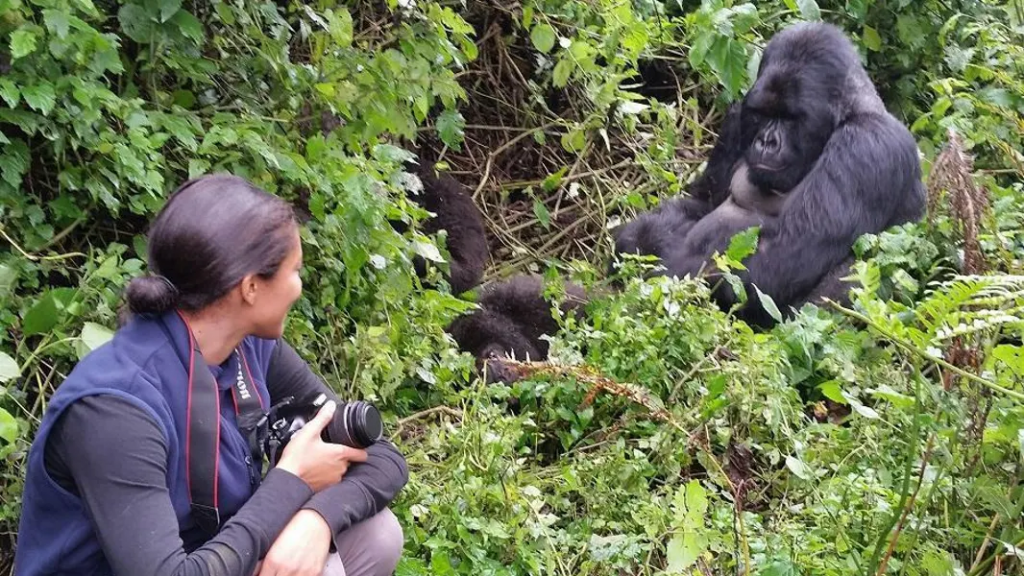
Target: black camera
{"points": [[356, 424]]}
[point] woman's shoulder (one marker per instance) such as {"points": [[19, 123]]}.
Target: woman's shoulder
{"points": [[259, 351]]}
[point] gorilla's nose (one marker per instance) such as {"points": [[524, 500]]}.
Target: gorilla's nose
{"points": [[769, 142]]}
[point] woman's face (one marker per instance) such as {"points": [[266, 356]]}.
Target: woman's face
{"points": [[276, 295]]}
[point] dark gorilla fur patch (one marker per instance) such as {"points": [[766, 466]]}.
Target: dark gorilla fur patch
{"points": [[456, 214], [513, 317]]}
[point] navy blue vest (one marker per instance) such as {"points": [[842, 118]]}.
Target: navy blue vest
{"points": [[145, 363]]}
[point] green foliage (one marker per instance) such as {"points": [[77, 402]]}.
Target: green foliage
{"points": [[667, 438]]}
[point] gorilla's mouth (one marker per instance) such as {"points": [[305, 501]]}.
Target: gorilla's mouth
{"points": [[769, 168]]}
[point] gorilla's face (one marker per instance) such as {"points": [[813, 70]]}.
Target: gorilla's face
{"points": [[788, 126]]}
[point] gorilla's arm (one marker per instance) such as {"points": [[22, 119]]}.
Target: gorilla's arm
{"points": [[458, 215], [855, 187], [712, 186], [659, 231]]}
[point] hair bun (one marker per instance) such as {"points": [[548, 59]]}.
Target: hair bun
{"points": [[151, 295]]}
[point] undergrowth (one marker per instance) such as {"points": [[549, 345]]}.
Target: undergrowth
{"points": [[664, 437]]}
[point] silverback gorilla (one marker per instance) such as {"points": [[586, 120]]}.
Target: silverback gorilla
{"points": [[810, 154], [813, 135]]}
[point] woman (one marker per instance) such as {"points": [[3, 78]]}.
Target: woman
{"points": [[142, 464]]}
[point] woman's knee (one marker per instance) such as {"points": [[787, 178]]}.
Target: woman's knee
{"points": [[388, 537], [373, 546]]}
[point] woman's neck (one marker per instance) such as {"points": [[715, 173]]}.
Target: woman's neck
{"points": [[216, 335]]}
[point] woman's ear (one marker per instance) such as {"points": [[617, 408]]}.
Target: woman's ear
{"points": [[248, 286]]}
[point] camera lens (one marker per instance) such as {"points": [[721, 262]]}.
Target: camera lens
{"points": [[356, 424]]}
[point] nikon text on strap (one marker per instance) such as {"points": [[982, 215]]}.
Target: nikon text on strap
{"points": [[202, 441]]}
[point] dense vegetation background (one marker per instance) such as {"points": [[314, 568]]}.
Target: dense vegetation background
{"points": [[665, 437]]}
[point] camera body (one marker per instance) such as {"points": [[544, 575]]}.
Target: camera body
{"points": [[356, 424]]}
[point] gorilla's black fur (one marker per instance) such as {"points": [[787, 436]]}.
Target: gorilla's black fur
{"points": [[814, 130], [810, 154], [455, 213], [513, 317]]}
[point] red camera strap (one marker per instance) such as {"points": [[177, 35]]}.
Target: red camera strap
{"points": [[202, 425]]}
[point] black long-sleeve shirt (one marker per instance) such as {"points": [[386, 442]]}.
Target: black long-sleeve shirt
{"points": [[113, 455]]}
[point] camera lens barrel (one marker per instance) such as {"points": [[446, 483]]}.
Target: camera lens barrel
{"points": [[356, 424]]}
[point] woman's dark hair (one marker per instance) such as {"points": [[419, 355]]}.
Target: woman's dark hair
{"points": [[213, 231]]}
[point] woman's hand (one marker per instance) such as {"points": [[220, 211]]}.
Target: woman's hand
{"points": [[301, 549], [320, 464]]}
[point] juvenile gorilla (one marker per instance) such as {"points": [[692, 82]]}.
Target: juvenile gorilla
{"points": [[512, 319], [810, 155], [814, 144]]}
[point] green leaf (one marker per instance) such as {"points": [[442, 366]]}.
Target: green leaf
{"points": [[135, 23], [886, 392], [168, 8], [574, 140], [681, 553], [40, 97], [543, 37], [737, 287], [797, 467], [94, 335], [912, 31], [560, 75], [858, 9], [40, 318], [9, 369], [86, 6], [527, 16], [743, 244], [450, 125], [938, 564], [769, 305], [552, 181], [832, 391], [809, 9], [8, 280], [23, 43], [542, 213], [860, 408], [189, 25], [340, 26], [8, 426], [317, 207], [696, 502], [57, 22], [699, 51], [14, 162], [871, 39], [780, 568], [1012, 356], [428, 250], [9, 92], [744, 18]]}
